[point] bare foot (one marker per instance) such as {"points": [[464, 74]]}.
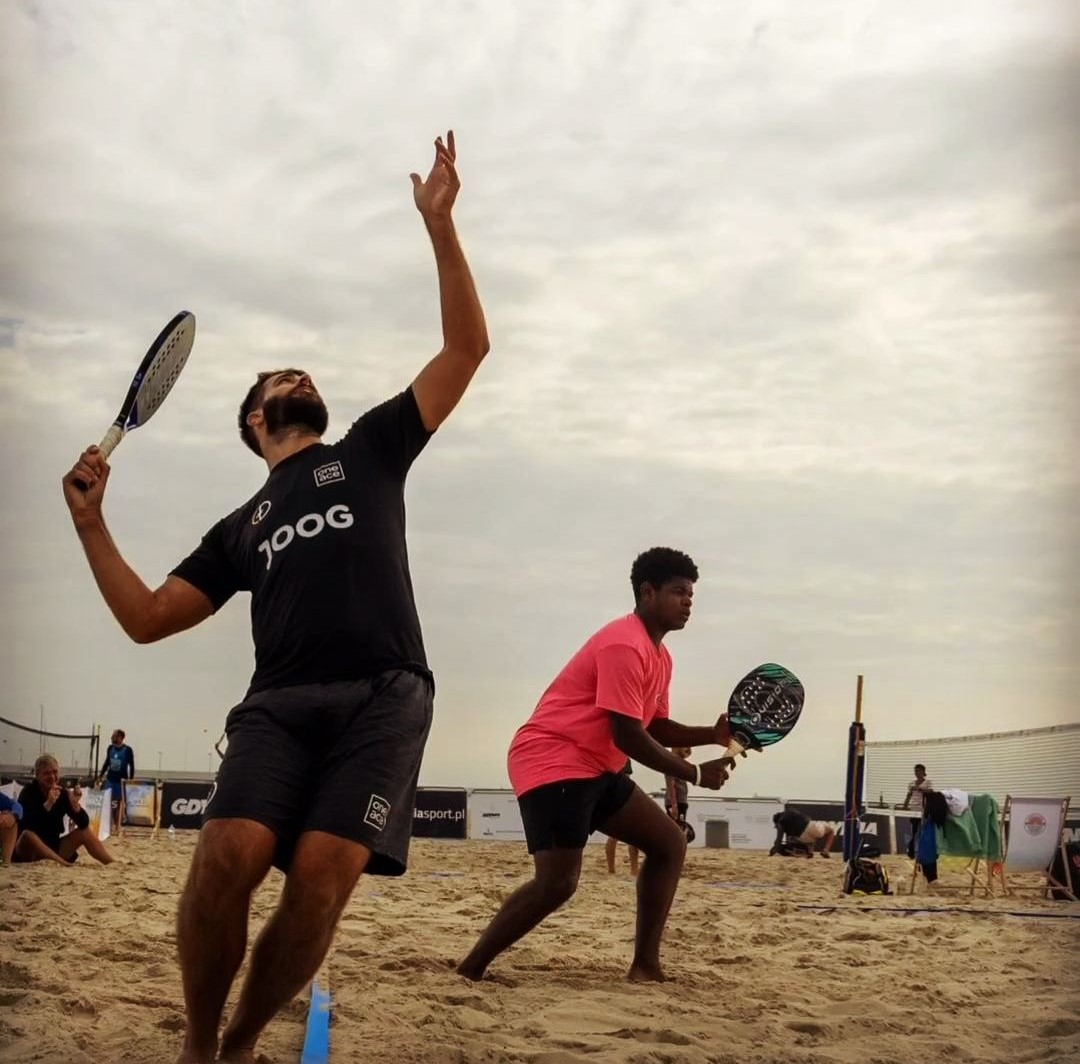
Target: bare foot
{"points": [[645, 973], [237, 1056], [470, 972], [189, 1057]]}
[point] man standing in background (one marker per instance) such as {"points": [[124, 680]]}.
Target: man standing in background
{"points": [[916, 789], [119, 765]]}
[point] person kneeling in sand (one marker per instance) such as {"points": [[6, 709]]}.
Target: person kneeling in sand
{"points": [[609, 703], [45, 804], [798, 826]]}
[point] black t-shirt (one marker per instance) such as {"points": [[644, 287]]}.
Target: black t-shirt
{"points": [[48, 824], [321, 548], [791, 822]]}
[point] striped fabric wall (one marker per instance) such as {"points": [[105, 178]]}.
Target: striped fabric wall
{"points": [[1040, 762]]}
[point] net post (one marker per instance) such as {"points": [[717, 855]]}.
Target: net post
{"points": [[853, 782]]}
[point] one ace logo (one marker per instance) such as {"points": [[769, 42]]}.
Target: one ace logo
{"points": [[1035, 824], [328, 474], [378, 811]]}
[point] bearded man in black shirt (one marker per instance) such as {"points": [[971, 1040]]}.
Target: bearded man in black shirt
{"points": [[324, 751]]}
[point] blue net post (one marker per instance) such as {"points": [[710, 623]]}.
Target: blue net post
{"points": [[853, 784]]}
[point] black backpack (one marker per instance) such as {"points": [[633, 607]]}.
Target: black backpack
{"points": [[863, 876]]}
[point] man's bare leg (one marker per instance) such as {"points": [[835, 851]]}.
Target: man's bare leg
{"points": [[292, 945], [231, 859], [29, 847], [609, 852], [71, 842], [642, 823], [9, 833], [553, 884]]}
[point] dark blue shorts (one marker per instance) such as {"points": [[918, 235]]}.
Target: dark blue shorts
{"points": [[343, 758]]}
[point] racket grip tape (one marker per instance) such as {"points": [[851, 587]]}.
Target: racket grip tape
{"points": [[110, 440]]}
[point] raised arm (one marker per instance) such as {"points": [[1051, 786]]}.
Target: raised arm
{"points": [[442, 382], [145, 615]]}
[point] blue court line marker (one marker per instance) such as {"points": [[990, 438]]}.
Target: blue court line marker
{"points": [[826, 910], [317, 1038]]}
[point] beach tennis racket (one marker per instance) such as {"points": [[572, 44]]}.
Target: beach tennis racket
{"points": [[153, 380], [763, 708]]}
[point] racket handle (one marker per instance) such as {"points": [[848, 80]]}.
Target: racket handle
{"points": [[106, 447], [110, 440], [734, 748]]}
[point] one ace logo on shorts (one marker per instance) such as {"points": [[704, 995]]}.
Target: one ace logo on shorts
{"points": [[328, 474], [378, 811]]}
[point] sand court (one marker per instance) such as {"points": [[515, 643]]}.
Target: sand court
{"points": [[89, 973]]}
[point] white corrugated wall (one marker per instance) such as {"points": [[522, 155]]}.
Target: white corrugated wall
{"points": [[1041, 762]]}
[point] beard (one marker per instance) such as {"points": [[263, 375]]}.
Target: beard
{"points": [[295, 411]]}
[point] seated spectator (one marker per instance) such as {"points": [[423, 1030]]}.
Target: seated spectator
{"points": [[45, 803]]}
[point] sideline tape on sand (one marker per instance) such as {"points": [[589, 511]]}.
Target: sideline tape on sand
{"points": [[827, 910], [317, 1038]]}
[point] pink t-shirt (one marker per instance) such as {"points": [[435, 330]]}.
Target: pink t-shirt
{"points": [[568, 736]]}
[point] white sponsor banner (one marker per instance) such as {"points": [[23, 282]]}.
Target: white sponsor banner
{"points": [[495, 815], [98, 807], [750, 825]]}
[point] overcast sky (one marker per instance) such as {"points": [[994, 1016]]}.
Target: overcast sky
{"points": [[789, 287]]}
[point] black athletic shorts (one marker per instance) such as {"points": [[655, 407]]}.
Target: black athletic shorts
{"points": [[562, 815], [338, 757]]}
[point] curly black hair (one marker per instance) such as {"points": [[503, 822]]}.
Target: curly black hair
{"points": [[658, 565]]}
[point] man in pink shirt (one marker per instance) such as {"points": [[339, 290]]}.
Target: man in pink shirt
{"points": [[610, 702]]}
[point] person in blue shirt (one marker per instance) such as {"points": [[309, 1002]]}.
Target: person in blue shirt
{"points": [[119, 765], [11, 812]]}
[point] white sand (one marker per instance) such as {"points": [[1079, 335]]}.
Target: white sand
{"points": [[88, 973]]}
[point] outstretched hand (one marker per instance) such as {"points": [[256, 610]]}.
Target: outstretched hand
{"points": [[434, 197]]}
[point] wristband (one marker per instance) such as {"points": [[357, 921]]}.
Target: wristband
{"points": [[697, 775]]}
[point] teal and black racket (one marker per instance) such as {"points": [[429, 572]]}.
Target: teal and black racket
{"points": [[763, 708]]}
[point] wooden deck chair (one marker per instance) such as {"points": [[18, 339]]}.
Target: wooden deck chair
{"points": [[139, 808], [1033, 829], [967, 842]]}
